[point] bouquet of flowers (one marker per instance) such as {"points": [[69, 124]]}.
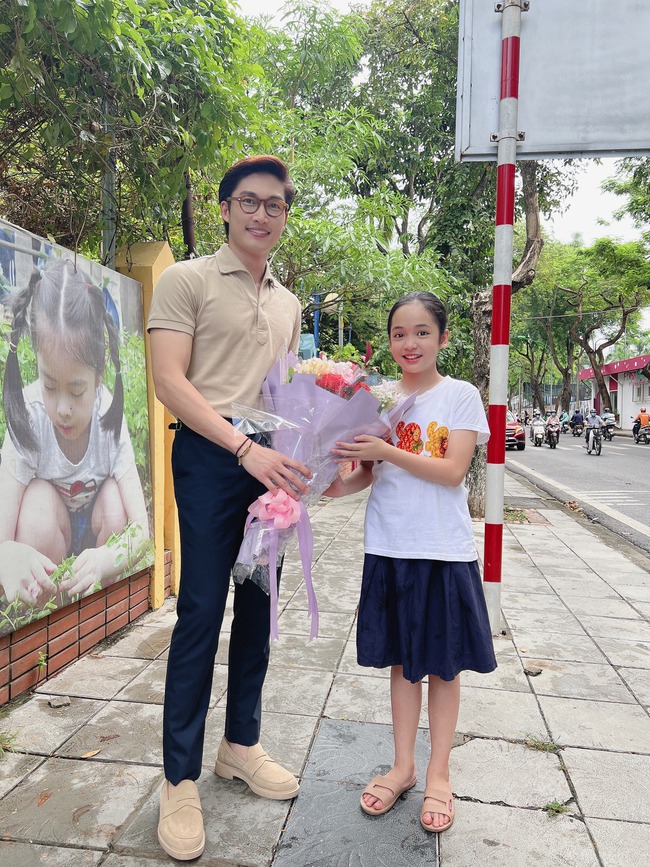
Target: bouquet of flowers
{"points": [[308, 406]]}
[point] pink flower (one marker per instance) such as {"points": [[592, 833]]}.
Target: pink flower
{"points": [[279, 507]]}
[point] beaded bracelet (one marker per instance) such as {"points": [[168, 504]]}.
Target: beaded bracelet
{"points": [[245, 452]]}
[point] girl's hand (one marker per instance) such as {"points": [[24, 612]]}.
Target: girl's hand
{"points": [[364, 448], [90, 568], [25, 572], [276, 470]]}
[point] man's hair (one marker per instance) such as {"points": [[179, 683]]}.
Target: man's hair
{"points": [[263, 164]]}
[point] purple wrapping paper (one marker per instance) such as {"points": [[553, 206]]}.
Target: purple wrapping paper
{"points": [[306, 422]]}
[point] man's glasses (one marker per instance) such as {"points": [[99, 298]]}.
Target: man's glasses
{"points": [[250, 205]]}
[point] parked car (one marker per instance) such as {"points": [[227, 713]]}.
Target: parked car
{"points": [[515, 432]]}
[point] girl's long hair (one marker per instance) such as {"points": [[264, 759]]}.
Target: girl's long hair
{"points": [[62, 308]]}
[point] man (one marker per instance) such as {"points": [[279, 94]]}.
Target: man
{"points": [[217, 325], [592, 420], [641, 419], [576, 418]]}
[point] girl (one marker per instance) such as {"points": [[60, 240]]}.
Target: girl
{"points": [[422, 610], [68, 478]]}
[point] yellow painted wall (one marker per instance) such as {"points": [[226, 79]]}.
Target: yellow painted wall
{"points": [[145, 262]]}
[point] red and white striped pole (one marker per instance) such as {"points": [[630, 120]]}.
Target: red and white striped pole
{"points": [[501, 292]]}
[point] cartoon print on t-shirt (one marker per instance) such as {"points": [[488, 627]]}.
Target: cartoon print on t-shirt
{"points": [[438, 439], [409, 437]]}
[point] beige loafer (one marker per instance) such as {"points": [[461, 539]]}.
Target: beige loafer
{"points": [[180, 828], [260, 773]]}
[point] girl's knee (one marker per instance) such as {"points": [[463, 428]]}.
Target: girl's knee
{"points": [[43, 520]]}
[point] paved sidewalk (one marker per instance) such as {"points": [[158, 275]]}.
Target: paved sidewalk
{"points": [[552, 758]]}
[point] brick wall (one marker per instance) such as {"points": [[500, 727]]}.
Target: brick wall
{"points": [[68, 633]]}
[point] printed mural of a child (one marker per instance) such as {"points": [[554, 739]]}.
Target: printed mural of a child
{"points": [[68, 478]]}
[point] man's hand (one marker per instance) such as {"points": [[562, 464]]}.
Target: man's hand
{"points": [[275, 470], [25, 572]]}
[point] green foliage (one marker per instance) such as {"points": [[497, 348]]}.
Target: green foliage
{"points": [[7, 743], [155, 88], [556, 808], [347, 352]]}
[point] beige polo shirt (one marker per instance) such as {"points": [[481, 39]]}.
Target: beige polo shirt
{"points": [[238, 334]]}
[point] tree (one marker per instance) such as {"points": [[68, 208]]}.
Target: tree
{"points": [[153, 89]]}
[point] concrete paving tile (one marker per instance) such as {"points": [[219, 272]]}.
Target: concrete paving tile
{"points": [[327, 827], [149, 686], [295, 691], [163, 616], [28, 855], [526, 777], [610, 785], [644, 609], [542, 644], [638, 679], [286, 738], [141, 642], [240, 829], [350, 752], [623, 651], [499, 713], [40, 728], [77, 803], [633, 628], [515, 600], [634, 592], [293, 651], [14, 767], [123, 732], [94, 676], [509, 674], [621, 844], [349, 665], [591, 588], [496, 836], [578, 680], [540, 619], [295, 621], [606, 607], [359, 698], [597, 724]]}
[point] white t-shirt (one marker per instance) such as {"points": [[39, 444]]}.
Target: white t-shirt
{"points": [[412, 518], [77, 484]]}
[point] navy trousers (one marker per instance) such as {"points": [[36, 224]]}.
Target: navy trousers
{"points": [[212, 494]]}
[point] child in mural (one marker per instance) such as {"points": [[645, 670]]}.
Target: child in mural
{"points": [[422, 610], [68, 479]]}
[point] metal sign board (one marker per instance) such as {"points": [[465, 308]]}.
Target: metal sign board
{"points": [[583, 79]]}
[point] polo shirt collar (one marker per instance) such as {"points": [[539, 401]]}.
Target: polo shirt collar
{"points": [[229, 263]]}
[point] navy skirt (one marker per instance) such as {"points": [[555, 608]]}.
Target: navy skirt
{"points": [[428, 616]]}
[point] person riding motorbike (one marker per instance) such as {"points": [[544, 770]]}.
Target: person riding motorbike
{"points": [[593, 420], [552, 424], [609, 422], [564, 416], [536, 421], [641, 420], [576, 418]]}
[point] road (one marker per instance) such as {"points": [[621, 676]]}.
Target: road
{"points": [[612, 488]]}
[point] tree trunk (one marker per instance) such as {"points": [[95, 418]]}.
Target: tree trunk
{"points": [[481, 315]]}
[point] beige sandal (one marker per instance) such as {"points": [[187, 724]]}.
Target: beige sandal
{"points": [[378, 787], [443, 804]]}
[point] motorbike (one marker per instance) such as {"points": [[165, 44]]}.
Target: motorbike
{"points": [[595, 441], [641, 433], [566, 427], [537, 431], [609, 429], [578, 429], [552, 433]]}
